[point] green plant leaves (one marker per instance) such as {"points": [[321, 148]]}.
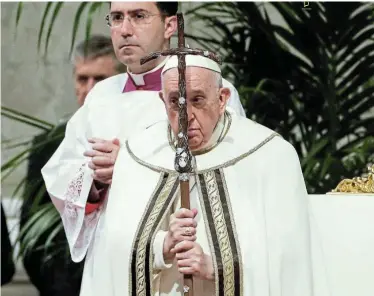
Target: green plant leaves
{"points": [[310, 80], [41, 30], [24, 118], [19, 12], [52, 11], [77, 19]]}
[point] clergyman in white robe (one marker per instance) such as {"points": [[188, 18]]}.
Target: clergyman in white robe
{"points": [[248, 188]]}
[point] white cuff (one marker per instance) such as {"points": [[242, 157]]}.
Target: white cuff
{"points": [[158, 251]]}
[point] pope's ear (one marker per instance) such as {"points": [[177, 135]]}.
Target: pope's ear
{"points": [[161, 95], [224, 96]]}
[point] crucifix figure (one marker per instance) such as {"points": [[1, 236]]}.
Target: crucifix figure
{"points": [[183, 157]]}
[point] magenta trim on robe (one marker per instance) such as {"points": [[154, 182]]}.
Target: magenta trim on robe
{"points": [[152, 82]]}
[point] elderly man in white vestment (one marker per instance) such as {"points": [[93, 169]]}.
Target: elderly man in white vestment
{"points": [[247, 232]]}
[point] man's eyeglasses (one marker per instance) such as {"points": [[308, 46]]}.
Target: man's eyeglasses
{"points": [[137, 19]]}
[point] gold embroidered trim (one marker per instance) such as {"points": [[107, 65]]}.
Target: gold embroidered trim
{"points": [[231, 217], [138, 229], [143, 235], [222, 235], [209, 236], [221, 232]]}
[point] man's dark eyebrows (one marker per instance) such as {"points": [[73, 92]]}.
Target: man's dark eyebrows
{"points": [[134, 11], [116, 12]]}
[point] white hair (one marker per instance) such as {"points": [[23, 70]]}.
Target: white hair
{"points": [[218, 79]]}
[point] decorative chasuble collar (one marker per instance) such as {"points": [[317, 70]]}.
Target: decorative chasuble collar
{"points": [[151, 147]]}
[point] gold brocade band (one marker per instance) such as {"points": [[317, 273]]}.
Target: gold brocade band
{"points": [[221, 233], [141, 261]]}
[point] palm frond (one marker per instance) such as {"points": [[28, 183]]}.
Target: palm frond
{"points": [[77, 19], [58, 6], [19, 12], [42, 24], [91, 12], [24, 118], [41, 222]]}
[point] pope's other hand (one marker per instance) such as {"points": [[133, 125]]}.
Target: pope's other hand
{"points": [[192, 260]]}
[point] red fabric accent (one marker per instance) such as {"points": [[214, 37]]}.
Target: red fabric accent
{"points": [[90, 207]]}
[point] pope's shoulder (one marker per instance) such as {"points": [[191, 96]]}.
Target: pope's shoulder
{"points": [[271, 143]]}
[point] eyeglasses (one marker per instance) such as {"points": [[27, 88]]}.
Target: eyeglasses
{"points": [[137, 19]]}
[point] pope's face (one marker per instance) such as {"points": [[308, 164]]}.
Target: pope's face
{"points": [[205, 103], [147, 32]]}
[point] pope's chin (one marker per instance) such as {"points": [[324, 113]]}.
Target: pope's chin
{"points": [[194, 143]]}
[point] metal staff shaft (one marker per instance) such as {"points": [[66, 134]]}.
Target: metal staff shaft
{"points": [[185, 203]]}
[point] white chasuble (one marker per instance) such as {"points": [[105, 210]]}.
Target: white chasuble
{"points": [[252, 218]]}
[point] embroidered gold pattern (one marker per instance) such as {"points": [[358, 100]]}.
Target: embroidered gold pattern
{"points": [[222, 234], [132, 280], [211, 241], [235, 235], [144, 235]]}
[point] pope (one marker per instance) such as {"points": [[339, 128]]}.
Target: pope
{"points": [[247, 232]]}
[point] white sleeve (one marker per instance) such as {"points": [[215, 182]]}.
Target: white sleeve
{"points": [[68, 181], [234, 100], [158, 247], [287, 224], [159, 262]]}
